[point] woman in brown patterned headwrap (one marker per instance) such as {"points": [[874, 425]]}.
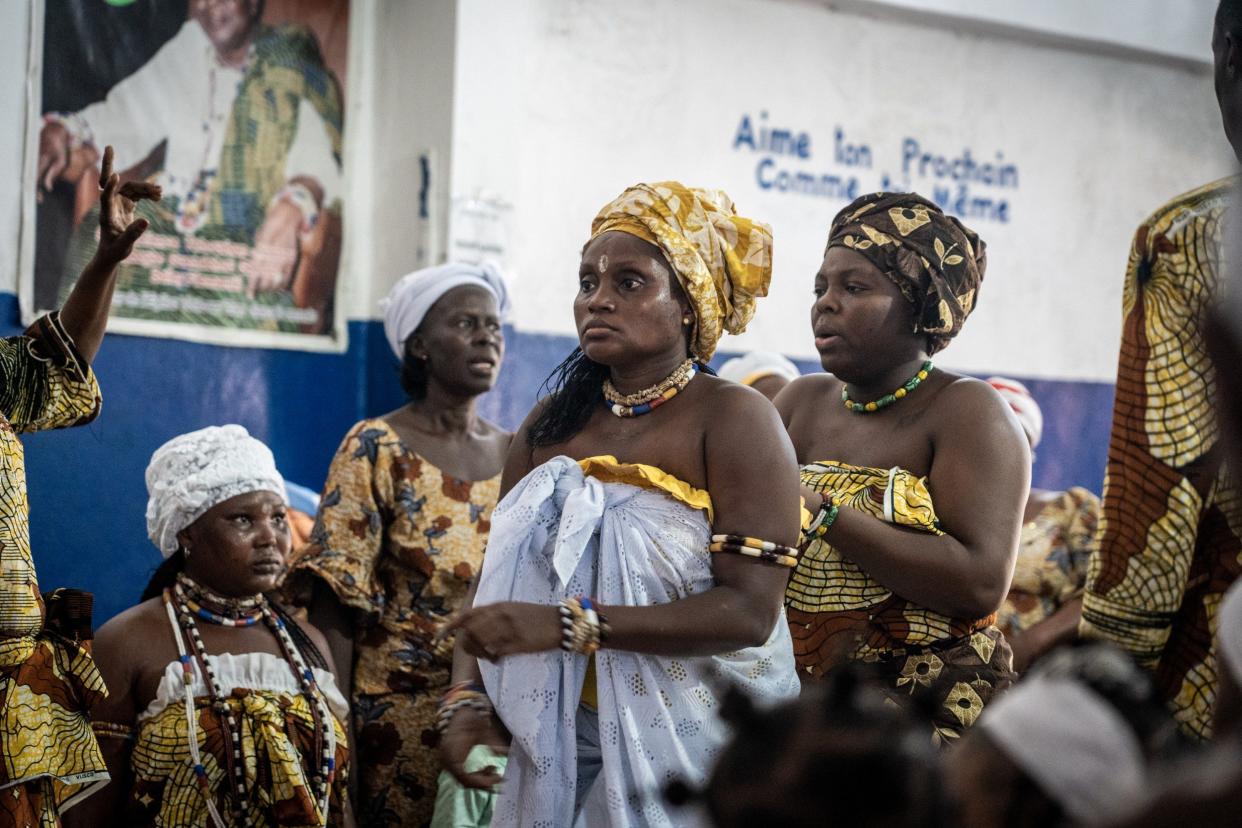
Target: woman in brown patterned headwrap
{"points": [[886, 575]]}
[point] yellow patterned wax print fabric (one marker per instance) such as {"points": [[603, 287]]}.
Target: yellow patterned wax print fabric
{"points": [[722, 260], [1052, 560], [278, 752], [1171, 532], [399, 541], [44, 383], [837, 612], [840, 610], [48, 754]]}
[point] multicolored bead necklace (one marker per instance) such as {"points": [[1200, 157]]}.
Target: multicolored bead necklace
{"points": [[888, 399], [649, 399], [216, 609], [182, 617]]}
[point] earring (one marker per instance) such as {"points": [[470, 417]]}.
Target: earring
{"points": [[687, 319]]}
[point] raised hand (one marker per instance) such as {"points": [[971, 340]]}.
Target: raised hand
{"points": [[119, 226]]}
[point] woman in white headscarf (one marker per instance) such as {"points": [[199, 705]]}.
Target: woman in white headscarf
{"points": [[222, 709], [402, 524], [1044, 604]]}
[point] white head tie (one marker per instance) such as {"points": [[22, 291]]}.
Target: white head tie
{"points": [[756, 365], [1073, 743], [191, 473], [411, 297]]}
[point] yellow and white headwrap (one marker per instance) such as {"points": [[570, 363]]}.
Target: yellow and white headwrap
{"points": [[722, 260]]}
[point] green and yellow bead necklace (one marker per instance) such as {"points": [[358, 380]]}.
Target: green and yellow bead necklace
{"points": [[888, 399]]}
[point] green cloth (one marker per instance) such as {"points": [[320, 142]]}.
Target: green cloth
{"points": [[460, 807]]}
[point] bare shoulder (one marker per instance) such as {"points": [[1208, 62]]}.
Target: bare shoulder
{"points": [[804, 393], [120, 643], [492, 431], [966, 395], [966, 404], [137, 618]]}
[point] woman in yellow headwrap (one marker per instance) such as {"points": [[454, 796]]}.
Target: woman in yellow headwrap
{"points": [[642, 544], [918, 476]]}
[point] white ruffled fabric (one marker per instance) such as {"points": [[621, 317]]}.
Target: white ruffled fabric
{"points": [[561, 534], [248, 671], [193, 472]]}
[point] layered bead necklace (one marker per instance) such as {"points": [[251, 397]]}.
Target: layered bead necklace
{"points": [[649, 399], [188, 599], [888, 399]]}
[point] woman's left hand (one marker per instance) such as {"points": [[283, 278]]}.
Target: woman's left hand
{"points": [[507, 628]]}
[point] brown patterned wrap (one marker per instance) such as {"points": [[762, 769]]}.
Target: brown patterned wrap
{"points": [[1170, 541], [935, 260]]}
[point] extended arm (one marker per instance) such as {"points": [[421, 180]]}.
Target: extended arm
{"points": [[85, 313]]}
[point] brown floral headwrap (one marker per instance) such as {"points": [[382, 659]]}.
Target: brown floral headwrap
{"points": [[722, 260], [936, 260]]}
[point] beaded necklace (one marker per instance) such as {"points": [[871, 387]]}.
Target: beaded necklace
{"points": [[182, 619], [888, 399], [217, 609], [649, 399]]}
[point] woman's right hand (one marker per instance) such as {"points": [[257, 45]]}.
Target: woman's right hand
{"points": [[467, 729]]}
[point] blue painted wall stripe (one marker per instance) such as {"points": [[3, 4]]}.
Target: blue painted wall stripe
{"points": [[88, 496]]}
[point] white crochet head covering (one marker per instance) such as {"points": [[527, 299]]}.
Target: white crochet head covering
{"points": [[749, 368], [191, 473], [1023, 404], [1075, 745], [414, 294]]}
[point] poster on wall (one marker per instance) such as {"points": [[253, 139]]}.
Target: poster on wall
{"points": [[236, 109]]}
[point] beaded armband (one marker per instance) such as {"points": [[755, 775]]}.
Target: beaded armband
{"points": [[583, 627], [766, 551]]}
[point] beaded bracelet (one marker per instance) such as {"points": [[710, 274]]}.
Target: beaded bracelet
{"points": [[583, 627], [765, 555], [824, 518], [113, 730], [458, 699]]}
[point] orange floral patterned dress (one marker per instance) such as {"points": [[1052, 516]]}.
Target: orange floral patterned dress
{"points": [[398, 541]]}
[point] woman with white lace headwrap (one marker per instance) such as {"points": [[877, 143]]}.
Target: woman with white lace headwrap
{"points": [[401, 529], [223, 710]]}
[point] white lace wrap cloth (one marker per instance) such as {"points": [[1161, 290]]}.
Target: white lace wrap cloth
{"points": [[561, 534]]}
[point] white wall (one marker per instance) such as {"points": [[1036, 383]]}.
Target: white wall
{"points": [[14, 90], [560, 104], [1168, 29]]}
